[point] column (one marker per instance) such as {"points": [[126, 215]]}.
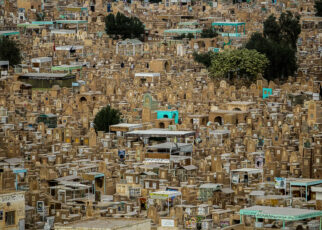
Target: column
{"points": [[104, 185], [16, 182]]}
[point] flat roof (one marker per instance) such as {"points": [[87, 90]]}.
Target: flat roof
{"points": [[211, 186], [66, 67], [159, 133], [229, 111], [241, 103], [189, 23], [28, 25], [147, 75], [228, 23], [41, 59], [130, 41], [317, 188], [219, 132], [248, 170], [127, 125], [8, 32], [77, 47], [164, 194], [63, 31], [46, 75], [182, 31], [304, 181], [155, 161], [42, 22], [280, 213], [169, 145], [108, 223], [4, 63], [71, 21]]}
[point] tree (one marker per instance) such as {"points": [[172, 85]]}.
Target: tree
{"points": [[282, 57], [155, 1], [318, 8], [290, 28], [278, 43], [9, 51], [287, 29], [203, 58], [272, 29], [190, 36], [179, 37], [243, 63], [105, 118], [40, 16], [209, 33], [120, 26]]}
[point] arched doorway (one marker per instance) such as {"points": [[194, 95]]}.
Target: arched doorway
{"points": [[166, 66], [161, 125], [82, 99], [218, 119]]}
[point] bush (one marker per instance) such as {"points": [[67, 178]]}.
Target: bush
{"points": [[203, 58], [105, 118], [209, 33]]}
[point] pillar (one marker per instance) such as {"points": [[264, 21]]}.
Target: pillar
{"points": [[16, 182], [104, 185]]}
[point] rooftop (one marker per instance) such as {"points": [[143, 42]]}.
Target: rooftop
{"points": [[280, 213], [46, 75], [106, 223], [159, 133], [127, 125]]}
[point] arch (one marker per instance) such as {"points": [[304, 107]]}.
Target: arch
{"points": [[201, 44], [219, 120], [165, 116], [203, 121], [161, 125], [167, 66], [299, 227], [236, 109], [82, 99]]}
